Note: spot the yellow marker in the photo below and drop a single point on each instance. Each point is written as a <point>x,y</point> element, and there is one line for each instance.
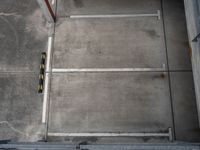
<point>41,76</point>
<point>42,66</point>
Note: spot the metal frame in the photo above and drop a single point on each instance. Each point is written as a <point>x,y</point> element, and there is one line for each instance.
<point>158,14</point>
<point>168,134</point>
<point>90,70</point>
<point>64,146</point>
<point>196,38</point>
<point>49,53</point>
<point>47,80</point>
<point>47,10</point>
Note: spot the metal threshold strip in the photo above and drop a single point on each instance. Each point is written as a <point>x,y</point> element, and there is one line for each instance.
<point>93,70</point>
<point>158,15</point>
<point>167,134</point>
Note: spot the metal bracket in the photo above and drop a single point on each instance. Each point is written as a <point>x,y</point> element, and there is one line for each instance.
<point>196,38</point>
<point>4,141</point>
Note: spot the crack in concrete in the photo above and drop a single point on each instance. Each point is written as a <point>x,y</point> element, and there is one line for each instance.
<point>13,128</point>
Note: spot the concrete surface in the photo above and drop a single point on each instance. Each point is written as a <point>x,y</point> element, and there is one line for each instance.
<point>106,7</point>
<point>23,36</point>
<point>20,107</point>
<point>110,102</point>
<point>127,42</point>
<point>185,109</point>
<point>176,35</point>
<point>105,102</point>
<point>107,43</point>
<point>115,43</point>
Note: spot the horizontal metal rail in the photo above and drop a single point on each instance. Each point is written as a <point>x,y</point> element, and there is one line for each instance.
<point>109,134</point>
<point>93,70</point>
<point>135,146</point>
<point>158,14</point>
<point>168,134</point>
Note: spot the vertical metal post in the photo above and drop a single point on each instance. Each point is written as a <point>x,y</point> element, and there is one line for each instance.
<point>47,80</point>
<point>47,10</point>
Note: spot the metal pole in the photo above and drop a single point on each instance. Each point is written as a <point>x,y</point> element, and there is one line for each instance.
<point>47,10</point>
<point>70,70</point>
<point>115,16</point>
<point>167,134</point>
<point>135,146</point>
<point>47,80</point>
<point>109,134</point>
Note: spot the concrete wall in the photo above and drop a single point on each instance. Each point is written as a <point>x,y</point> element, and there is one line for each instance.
<point>193,25</point>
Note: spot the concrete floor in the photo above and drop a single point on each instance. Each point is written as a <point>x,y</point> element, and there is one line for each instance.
<point>104,43</point>
<point>106,7</point>
<point>176,34</point>
<point>109,43</point>
<point>185,112</point>
<point>182,86</point>
<point>110,102</point>
<point>23,36</point>
<point>97,102</point>
<point>20,107</point>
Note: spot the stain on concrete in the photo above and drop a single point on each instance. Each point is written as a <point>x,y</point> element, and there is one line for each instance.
<point>78,3</point>
<point>152,33</point>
